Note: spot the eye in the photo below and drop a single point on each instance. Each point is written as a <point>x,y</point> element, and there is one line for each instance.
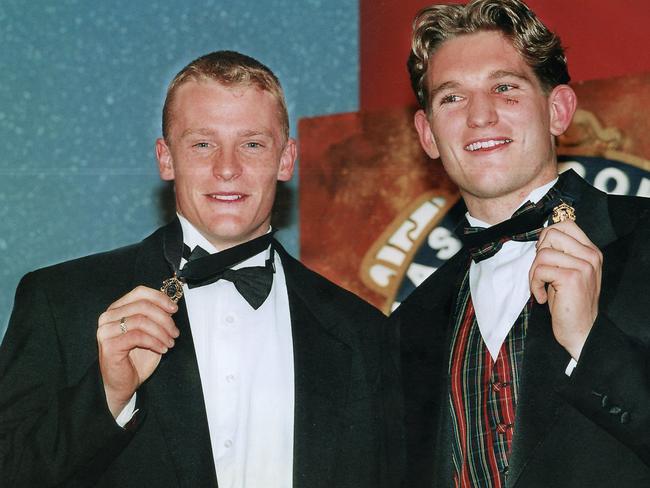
<point>202,145</point>
<point>504,87</point>
<point>252,145</point>
<point>450,99</point>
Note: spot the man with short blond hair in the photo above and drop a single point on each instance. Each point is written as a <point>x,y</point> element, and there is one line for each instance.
<point>205,354</point>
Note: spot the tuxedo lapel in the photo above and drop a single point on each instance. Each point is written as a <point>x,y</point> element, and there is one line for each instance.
<point>539,403</point>
<point>173,396</point>
<point>426,324</point>
<point>443,459</point>
<point>592,212</point>
<point>322,363</point>
<point>545,360</point>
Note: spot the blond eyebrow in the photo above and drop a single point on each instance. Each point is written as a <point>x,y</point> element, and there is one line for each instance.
<point>242,133</point>
<point>254,132</point>
<point>504,73</point>
<point>441,87</point>
<point>198,132</point>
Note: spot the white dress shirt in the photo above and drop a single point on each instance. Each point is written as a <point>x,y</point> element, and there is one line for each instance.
<point>499,285</point>
<point>245,360</point>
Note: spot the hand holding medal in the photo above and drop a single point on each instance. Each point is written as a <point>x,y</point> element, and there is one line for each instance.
<point>566,273</point>
<point>132,335</point>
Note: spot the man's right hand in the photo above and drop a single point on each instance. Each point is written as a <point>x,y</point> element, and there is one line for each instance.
<point>127,359</point>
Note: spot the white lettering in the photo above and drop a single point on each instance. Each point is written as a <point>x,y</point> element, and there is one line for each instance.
<point>644,188</point>
<point>401,236</point>
<point>443,241</point>
<point>622,182</point>
<point>381,274</point>
<point>417,273</point>
<point>422,216</point>
<point>391,255</point>
<point>439,201</point>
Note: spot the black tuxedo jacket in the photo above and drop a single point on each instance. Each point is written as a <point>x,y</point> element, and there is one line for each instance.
<point>588,430</point>
<point>56,430</point>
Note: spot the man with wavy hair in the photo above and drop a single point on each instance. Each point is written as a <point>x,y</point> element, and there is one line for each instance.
<point>525,357</point>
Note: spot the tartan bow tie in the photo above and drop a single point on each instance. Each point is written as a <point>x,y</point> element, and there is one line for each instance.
<point>526,224</point>
<point>253,283</point>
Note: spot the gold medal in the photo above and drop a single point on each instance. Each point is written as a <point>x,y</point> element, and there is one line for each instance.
<point>173,288</point>
<point>563,212</point>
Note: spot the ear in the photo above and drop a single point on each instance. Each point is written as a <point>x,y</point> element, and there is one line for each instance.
<point>165,161</point>
<point>562,105</point>
<point>427,141</point>
<point>287,161</point>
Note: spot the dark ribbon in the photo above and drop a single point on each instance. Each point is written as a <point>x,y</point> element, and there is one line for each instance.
<point>253,282</point>
<point>525,225</point>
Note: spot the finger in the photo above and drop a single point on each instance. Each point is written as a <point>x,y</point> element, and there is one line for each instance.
<point>560,277</point>
<point>141,307</point>
<point>149,294</point>
<point>556,239</point>
<point>135,325</point>
<point>549,256</point>
<point>540,277</point>
<point>119,346</point>
<point>538,288</point>
<point>570,228</point>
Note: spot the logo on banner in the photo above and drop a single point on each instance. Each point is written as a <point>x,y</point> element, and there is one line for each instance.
<point>421,238</point>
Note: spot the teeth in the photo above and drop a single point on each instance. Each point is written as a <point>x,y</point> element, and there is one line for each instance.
<point>475,146</point>
<point>228,198</point>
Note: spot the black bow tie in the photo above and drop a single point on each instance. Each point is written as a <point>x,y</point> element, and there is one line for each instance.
<point>525,225</point>
<point>253,283</point>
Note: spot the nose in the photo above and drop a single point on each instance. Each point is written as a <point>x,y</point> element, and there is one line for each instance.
<point>481,111</point>
<point>226,165</point>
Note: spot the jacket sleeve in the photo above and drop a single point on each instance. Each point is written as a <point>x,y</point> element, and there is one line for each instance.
<point>611,384</point>
<point>52,424</point>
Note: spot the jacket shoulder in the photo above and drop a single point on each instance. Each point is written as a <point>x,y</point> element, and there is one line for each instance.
<point>332,292</point>
<point>628,214</point>
<point>85,278</point>
<point>95,267</point>
<point>316,289</point>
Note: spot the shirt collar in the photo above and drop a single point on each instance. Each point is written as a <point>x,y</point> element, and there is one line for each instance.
<point>192,238</point>
<point>534,196</point>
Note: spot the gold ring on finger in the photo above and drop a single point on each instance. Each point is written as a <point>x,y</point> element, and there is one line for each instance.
<point>123,325</point>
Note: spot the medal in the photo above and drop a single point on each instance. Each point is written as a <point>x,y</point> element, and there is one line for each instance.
<point>563,212</point>
<point>173,288</point>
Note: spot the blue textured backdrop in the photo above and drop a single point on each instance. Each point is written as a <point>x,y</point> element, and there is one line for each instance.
<point>82,85</point>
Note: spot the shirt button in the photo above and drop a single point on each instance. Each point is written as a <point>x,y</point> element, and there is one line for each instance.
<point>230,378</point>
<point>502,428</point>
<point>227,444</point>
<point>230,319</point>
<point>498,386</point>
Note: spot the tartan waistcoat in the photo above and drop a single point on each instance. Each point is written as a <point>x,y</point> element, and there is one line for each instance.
<point>483,396</point>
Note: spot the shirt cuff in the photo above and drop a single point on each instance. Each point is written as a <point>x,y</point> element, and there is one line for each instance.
<point>127,412</point>
<point>570,367</point>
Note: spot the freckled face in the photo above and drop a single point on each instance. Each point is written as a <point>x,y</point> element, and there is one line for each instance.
<point>490,122</point>
<point>225,152</point>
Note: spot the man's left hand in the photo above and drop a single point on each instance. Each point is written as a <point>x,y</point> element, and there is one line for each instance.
<point>567,273</point>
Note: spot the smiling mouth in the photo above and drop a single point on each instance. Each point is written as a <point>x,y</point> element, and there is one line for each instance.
<point>488,144</point>
<point>227,197</point>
